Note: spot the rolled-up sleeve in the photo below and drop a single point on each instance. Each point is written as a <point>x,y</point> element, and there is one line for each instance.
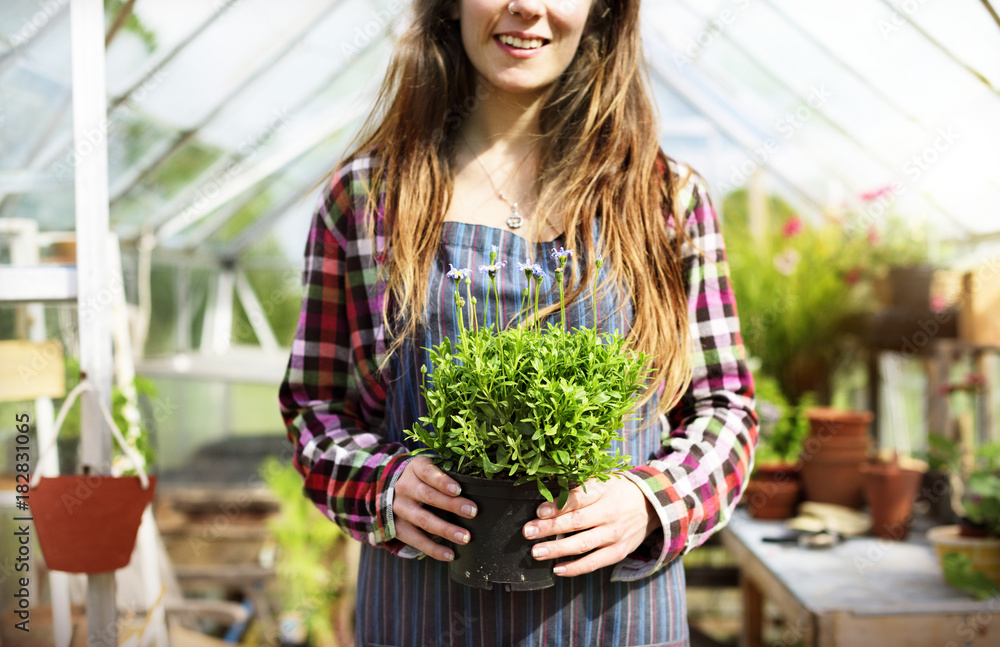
<point>332,398</point>
<point>696,478</point>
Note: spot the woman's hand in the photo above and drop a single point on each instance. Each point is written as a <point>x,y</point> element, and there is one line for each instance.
<point>424,484</point>
<point>614,517</point>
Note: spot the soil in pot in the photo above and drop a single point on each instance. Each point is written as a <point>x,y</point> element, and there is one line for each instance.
<point>497,552</point>
<point>890,490</point>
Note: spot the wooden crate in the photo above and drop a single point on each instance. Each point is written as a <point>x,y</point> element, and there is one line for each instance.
<point>979,313</point>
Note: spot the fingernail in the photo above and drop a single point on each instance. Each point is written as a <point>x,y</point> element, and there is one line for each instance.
<point>538,552</point>
<point>454,489</point>
<point>530,532</point>
<point>559,570</point>
<point>544,511</point>
<point>448,556</point>
<point>461,537</point>
<point>469,510</point>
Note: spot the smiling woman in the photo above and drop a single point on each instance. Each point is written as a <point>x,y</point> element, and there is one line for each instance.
<point>495,115</point>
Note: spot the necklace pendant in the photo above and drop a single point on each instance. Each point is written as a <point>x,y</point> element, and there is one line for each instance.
<point>514,220</point>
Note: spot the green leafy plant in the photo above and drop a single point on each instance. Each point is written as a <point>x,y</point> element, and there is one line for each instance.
<point>981,498</point>
<point>943,454</point>
<point>144,388</point>
<point>960,573</point>
<point>309,577</point>
<point>536,403</point>
<point>783,426</point>
<point>795,291</point>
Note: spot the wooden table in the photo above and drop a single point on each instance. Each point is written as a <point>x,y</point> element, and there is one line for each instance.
<point>863,592</point>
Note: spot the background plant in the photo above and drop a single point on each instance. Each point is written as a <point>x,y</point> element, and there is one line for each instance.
<point>796,296</point>
<point>783,426</point>
<point>309,578</point>
<point>536,402</point>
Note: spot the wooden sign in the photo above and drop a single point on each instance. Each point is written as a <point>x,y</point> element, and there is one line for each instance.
<point>30,370</point>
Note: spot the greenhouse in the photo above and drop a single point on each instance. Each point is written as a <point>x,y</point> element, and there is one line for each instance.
<point>162,165</point>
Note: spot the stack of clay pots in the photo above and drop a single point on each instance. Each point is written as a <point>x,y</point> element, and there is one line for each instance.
<point>832,456</point>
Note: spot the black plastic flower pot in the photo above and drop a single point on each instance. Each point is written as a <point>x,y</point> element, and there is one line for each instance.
<point>498,553</point>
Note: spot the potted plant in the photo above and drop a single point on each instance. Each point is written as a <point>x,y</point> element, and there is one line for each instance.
<point>774,487</point>
<point>88,523</point>
<point>970,551</point>
<point>519,415</point>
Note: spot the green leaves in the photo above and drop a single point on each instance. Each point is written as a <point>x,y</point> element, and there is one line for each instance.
<point>959,572</point>
<point>539,405</point>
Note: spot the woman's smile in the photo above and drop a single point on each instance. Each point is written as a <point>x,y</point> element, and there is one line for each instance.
<point>521,46</point>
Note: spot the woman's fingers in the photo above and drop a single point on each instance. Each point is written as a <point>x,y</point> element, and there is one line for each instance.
<point>421,491</point>
<point>410,534</point>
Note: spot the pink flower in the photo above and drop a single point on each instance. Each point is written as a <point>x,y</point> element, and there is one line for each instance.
<point>873,236</point>
<point>938,304</point>
<point>868,196</point>
<point>792,227</point>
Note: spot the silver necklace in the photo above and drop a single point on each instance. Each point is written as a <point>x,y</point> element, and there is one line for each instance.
<point>515,219</point>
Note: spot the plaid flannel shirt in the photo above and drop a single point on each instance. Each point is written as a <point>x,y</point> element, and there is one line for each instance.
<point>333,399</point>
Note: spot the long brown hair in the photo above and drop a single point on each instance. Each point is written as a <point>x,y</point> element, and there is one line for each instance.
<point>599,157</point>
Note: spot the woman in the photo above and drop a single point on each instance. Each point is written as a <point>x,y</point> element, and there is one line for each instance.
<point>499,119</point>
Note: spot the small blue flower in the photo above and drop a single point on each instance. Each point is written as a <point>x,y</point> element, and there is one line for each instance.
<point>492,269</point>
<point>458,274</point>
<point>537,270</point>
<point>493,248</point>
<point>561,253</point>
<point>599,262</point>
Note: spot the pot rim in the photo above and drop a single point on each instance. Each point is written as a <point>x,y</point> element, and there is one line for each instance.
<point>948,536</point>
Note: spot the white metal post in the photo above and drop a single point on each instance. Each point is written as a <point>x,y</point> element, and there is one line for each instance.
<point>94,295</point>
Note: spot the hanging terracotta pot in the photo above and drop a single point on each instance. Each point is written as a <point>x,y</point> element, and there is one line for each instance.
<point>890,490</point>
<point>88,524</point>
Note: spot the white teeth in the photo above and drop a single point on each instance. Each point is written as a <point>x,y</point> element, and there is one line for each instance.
<point>520,44</point>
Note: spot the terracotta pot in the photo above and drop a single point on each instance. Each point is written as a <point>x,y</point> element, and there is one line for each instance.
<point>890,490</point>
<point>770,499</point>
<point>837,446</point>
<point>773,491</point>
<point>826,422</point>
<point>983,552</point>
<point>833,479</point>
<point>88,524</point>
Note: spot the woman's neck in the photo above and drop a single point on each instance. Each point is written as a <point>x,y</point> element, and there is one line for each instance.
<point>504,122</point>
